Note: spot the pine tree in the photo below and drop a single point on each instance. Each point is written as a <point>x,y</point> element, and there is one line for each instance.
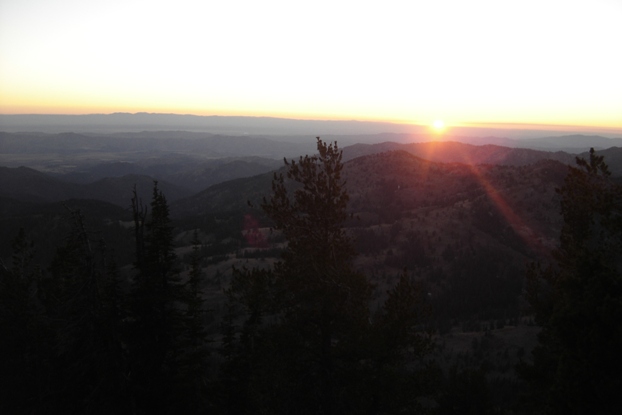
<point>82,302</point>
<point>193,382</point>
<point>156,324</point>
<point>306,343</point>
<point>24,345</point>
<point>578,299</point>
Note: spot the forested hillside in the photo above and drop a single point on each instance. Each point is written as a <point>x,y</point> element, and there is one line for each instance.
<point>388,283</point>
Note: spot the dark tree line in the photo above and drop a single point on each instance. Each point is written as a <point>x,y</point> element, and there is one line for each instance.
<point>78,339</point>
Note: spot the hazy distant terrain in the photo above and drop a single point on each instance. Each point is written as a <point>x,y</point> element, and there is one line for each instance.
<point>147,143</point>
<point>573,143</point>
<point>349,132</point>
<point>105,166</point>
<point>229,125</point>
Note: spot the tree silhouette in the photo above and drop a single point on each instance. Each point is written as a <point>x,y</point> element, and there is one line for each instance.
<point>578,300</point>
<point>156,320</point>
<point>307,342</point>
<point>27,334</point>
<point>193,362</point>
<point>83,304</point>
<point>166,333</point>
<point>64,352</point>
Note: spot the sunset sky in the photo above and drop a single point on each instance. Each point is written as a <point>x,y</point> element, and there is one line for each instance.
<point>417,61</point>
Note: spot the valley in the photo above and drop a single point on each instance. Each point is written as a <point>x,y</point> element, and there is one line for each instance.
<point>462,220</point>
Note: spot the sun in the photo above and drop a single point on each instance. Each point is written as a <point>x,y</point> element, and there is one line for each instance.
<point>438,126</point>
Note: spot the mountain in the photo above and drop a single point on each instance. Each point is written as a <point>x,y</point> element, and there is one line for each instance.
<point>613,158</point>
<point>468,230</point>
<point>200,176</point>
<point>139,144</point>
<point>190,160</point>
<point>184,171</point>
<point>26,184</point>
<point>454,152</point>
<point>230,125</point>
<point>386,184</point>
<point>271,126</point>
<point>118,190</point>
<point>572,143</point>
<point>229,196</point>
<point>400,184</point>
<point>469,158</point>
<point>48,225</point>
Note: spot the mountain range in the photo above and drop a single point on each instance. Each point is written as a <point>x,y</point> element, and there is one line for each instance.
<point>349,130</point>
<point>109,175</point>
<point>441,208</point>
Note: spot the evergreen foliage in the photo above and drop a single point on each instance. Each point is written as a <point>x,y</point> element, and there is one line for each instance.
<point>193,363</point>
<point>26,333</point>
<point>64,353</point>
<point>166,340</point>
<point>578,301</point>
<point>84,309</point>
<point>308,342</point>
<point>82,342</point>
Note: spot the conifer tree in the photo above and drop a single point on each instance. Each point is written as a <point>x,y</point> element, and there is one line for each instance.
<point>24,345</point>
<point>578,300</point>
<point>306,343</point>
<point>324,302</point>
<point>193,382</point>
<point>156,323</point>
<point>83,304</point>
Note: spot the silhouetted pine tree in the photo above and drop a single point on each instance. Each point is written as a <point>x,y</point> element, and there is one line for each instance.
<point>307,343</point>
<point>578,300</point>
<point>396,344</point>
<point>83,305</point>
<point>156,321</point>
<point>193,382</point>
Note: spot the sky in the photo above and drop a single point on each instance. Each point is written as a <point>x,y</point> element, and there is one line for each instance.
<point>419,61</point>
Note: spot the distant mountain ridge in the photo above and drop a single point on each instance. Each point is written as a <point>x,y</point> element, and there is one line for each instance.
<point>200,144</point>
<point>455,152</point>
<point>143,144</point>
<point>248,125</point>
<point>575,143</point>
<point>219,183</point>
<point>232,125</point>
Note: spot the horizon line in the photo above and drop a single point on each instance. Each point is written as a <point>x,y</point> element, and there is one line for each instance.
<point>512,125</point>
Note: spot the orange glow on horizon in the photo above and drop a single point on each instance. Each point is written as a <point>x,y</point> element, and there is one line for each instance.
<point>437,127</point>
<point>74,64</point>
<point>75,109</point>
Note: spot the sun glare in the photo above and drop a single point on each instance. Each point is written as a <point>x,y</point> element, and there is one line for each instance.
<point>438,126</point>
